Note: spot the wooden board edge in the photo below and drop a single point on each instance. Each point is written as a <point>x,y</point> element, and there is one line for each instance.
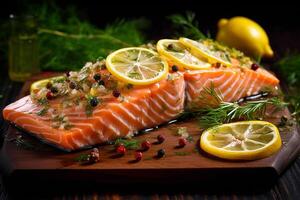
<point>290,153</point>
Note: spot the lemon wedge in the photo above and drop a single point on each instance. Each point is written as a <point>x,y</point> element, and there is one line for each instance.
<point>247,140</point>
<point>207,51</point>
<point>137,66</point>
<point>177,54</point>
<point>37,85</point>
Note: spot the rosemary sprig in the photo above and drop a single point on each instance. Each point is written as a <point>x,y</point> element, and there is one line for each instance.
<point>226,112</point>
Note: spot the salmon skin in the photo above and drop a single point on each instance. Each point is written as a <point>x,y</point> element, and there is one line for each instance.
<point>137,109</point>
<point>66,124</point>
<point>231,83</point>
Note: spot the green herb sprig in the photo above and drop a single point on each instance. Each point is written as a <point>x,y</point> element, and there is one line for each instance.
<point>82,158</point>
<point>128,143</point>
<point>188,26</point>
<point>226,112</point>
<point>289,69</point>
<point>67,41</point>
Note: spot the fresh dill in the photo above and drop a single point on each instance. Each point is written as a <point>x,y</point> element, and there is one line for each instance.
<point>288,68</point>
<point>128,143</point>
<point>67,41</point>
<point>187,24</point>
<point>83,159</point>
<point>42,101</point>
<point>42,112</point>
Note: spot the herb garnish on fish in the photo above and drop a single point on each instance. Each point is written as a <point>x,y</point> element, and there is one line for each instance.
<point>221,112</point>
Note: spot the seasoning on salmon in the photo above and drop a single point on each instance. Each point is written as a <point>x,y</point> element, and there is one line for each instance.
<point>73,119</point>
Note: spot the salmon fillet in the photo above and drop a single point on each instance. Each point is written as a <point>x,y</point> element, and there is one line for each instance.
<point>70,128</point>
<point>232,83</point>
<point>139,108</point>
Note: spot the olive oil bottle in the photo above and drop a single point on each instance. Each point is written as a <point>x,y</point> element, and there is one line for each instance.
<point>23,48</point>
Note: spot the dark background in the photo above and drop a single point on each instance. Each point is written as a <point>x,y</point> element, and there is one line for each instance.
<point>276,17</point>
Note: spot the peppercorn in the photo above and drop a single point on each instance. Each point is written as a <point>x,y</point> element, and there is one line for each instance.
<point>95,157</point>
<point>160,139</point>
<point>174,68</point>
<point>138,155</point>
<point>54,90</point>
<point>91,158</point>
<point>161,153</point>
<point>49,85</point>
<point>217,65</point>
<point>182,142</point>
<point>146,145</point>
<point>101,82</point>
<point>49,95</point>
<point>72,85</point>
<point>97,77</point>
<point>121,149</point>
<point>94,101</point>
<point>254,66</point>
<point>170,47</point>
<point>129,86</point>
<point>116,93</point>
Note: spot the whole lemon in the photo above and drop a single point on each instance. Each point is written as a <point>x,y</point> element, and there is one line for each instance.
<point>245,35</point>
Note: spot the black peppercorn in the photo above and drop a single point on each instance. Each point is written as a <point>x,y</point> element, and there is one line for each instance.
<point>101,82</point>
<point>174,68</point>
<point>54,90</point>
<point>170,47</point>
<point>72,85</point>
<point>116,93</point>
<point>94,101</point>
<point>97,77</point>
<point>161,153</point>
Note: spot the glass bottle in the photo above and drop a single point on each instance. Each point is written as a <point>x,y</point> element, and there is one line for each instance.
<point>23,48</point>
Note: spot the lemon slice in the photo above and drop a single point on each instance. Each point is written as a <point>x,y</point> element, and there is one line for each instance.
<point>177,54</point>
<point>247,140</point>
<point>206,50</point>
<point>138,66</point>
<point>37,85</point>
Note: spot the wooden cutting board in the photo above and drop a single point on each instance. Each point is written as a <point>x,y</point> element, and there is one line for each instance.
<point>42,162</point>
